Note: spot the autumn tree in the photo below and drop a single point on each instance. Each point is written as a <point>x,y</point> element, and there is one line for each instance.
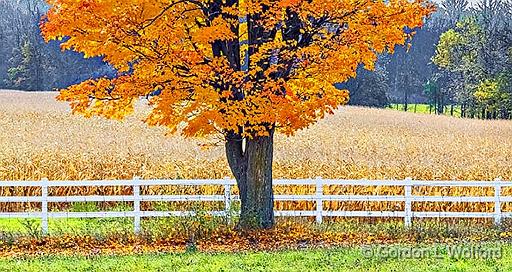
<point>242,69</point>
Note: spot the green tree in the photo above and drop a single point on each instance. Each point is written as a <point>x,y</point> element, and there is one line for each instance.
<point>474,58</point>
<point>369,88</point>
<point>26,72</point>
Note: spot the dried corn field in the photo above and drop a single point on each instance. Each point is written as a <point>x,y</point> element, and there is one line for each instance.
<point>40,138</point>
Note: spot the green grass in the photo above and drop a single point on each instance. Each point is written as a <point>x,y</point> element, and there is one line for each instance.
<point>425,108</point>
<point>67,226</point>
<point>344,259</point>
<point>102,227</point>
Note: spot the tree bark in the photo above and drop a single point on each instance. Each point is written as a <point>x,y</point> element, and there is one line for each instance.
<point>251,164</point>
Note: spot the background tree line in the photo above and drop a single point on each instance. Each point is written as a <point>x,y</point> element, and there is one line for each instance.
<point>461,59</point>
<point>27,62</point>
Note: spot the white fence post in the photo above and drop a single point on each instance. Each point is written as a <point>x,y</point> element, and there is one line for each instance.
<point>136,205</point>
<point>408,202</point>
<point>227,198</point>
<point>319,200</point>
<point>497,201</point>
<point>44,205</point>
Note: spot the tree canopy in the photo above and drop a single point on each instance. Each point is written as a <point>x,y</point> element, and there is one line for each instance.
<point>188,51</point>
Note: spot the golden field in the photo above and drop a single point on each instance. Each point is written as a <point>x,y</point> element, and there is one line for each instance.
<point>40,138</point>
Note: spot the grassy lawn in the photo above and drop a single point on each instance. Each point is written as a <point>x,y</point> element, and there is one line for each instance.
<point>425,108</point>
<point>343,259</point>
<point>67,226</point>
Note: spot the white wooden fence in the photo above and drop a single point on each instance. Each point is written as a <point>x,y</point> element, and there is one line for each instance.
<point>319,197</point>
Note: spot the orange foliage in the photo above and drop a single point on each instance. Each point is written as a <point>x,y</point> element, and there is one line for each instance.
<point>189,51</point>
<point>286,235</point>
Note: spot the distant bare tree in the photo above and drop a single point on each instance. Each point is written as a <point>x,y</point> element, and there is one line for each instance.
<point>27,62</point>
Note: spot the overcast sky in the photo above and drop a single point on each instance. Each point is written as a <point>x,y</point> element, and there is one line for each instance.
<point>470,1</point>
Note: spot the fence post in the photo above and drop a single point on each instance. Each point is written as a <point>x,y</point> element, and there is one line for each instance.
<point>44,205</point>
<point>319,200</point>
<point>408,202</point>
<point>497,201</point>
<point>227,198</point>
<point>136,205</point>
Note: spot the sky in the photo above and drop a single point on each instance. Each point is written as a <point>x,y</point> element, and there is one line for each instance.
<point>470,1</point>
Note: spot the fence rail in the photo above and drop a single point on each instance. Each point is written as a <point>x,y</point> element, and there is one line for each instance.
<point>228,198</point>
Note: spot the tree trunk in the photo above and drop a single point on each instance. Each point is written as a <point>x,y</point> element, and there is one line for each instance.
<point>406,100</point>
<point>251,164</point>
<point>440,106</point>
